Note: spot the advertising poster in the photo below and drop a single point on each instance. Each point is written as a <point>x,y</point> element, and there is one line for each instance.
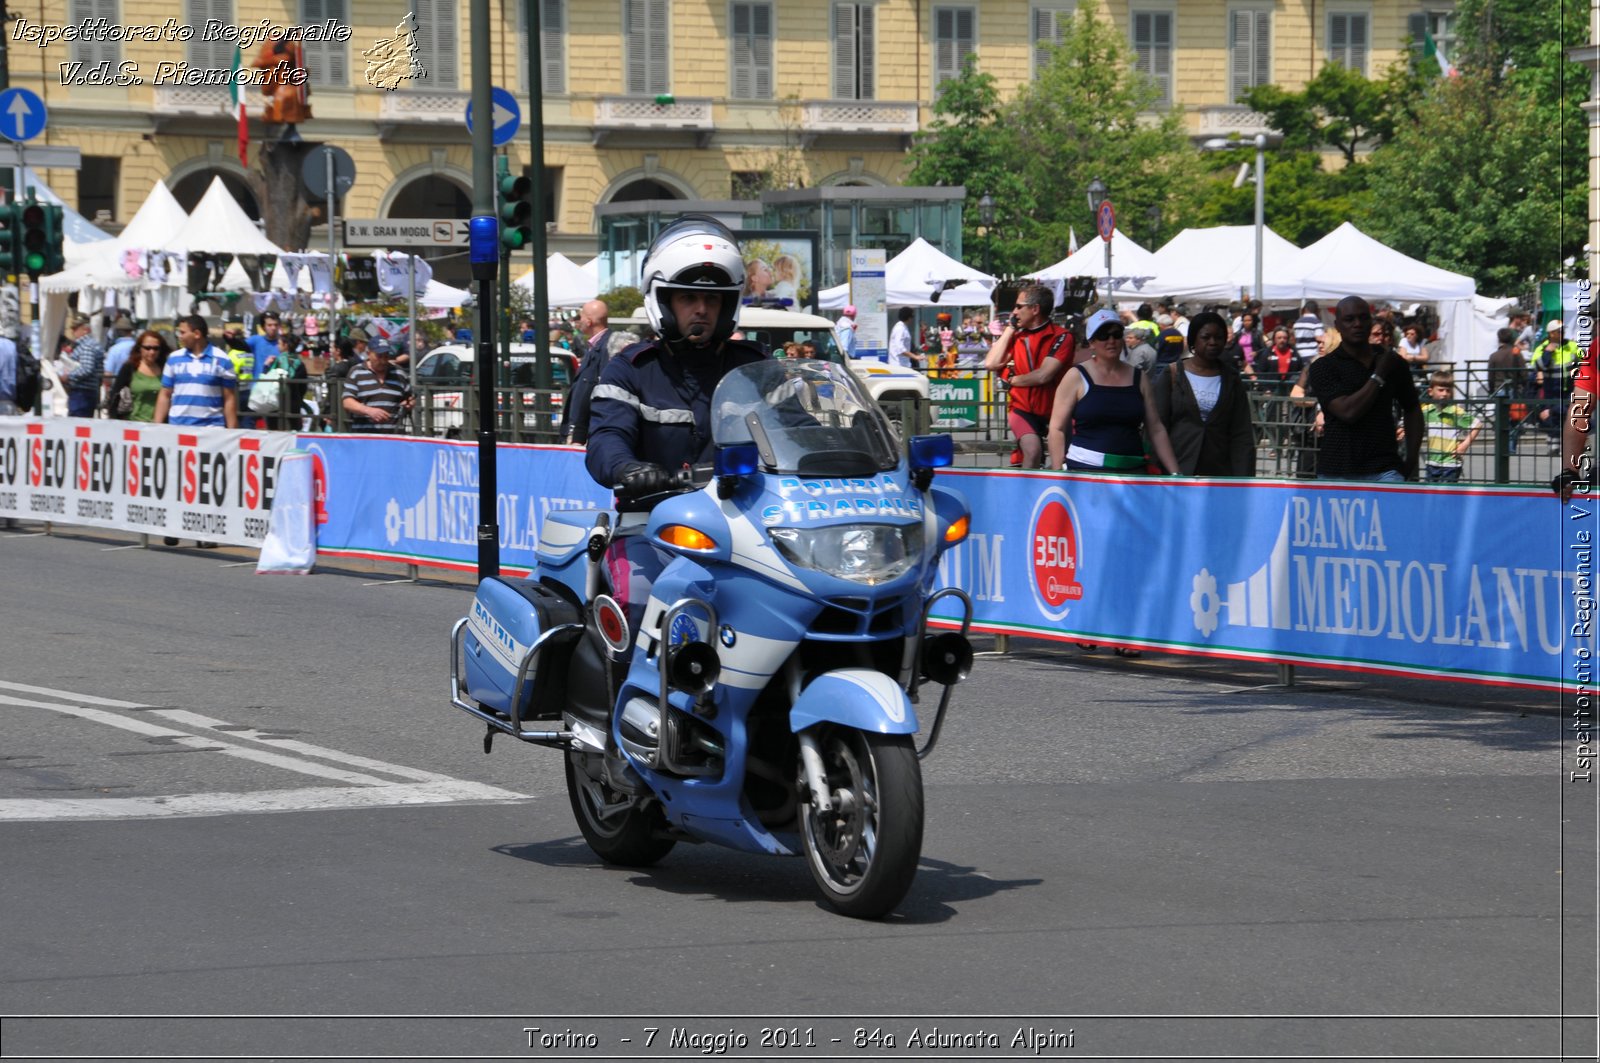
<point>869,295</point>
<point>208,484</point>
<point>1407,579</point>
<point>779,269</point>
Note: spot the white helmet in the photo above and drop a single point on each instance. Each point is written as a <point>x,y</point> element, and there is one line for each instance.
<point>695,253</point>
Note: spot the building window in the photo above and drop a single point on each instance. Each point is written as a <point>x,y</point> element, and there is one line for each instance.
<point>747,184</point>
<point>438,46</point>
<point>1249,50</point>
<point>328,62</point>
<point>1050,24</point>
<point>92,53</point>
<point>552,44</point>
<point>644,32</point>
<point>750,51</point>
<point>97,186</point>
<point>1152,48</point>
<point>204,54</point>
<point>855,46</point>
<point>1439,24</point>
<point>955,36</point>
<point>1347,40</point>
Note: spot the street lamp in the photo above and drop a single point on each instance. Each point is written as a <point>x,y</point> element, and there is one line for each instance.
<point>1097,195</point>
<point>1219,144</point>
<point>986,216</point>
<point>1153,216</point>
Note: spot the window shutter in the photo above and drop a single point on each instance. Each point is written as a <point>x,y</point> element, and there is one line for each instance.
<point>1357,36</point>
<point>1417,27</point>
<point>867,17</point>
<point>327,61</point>
<point>844,51</point>
<point>93,52</point>
<point>1152,45</point>
<point>633,17</point>
<point>1048,25</point>
<point>1251,51</point>
<point>216,55</point>
<point>553,45</point>
<point>953,41</point>
<point>436,43</point>
<point>742,62</point>
<point>761,49</point>
<point>660,75</point>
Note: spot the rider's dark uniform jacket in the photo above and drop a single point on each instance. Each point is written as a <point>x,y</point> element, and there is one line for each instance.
<point>655,405</point>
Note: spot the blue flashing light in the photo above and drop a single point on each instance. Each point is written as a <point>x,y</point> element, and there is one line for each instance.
<point>483,240</point>
<point>932,452</point>
<point>739,460</point>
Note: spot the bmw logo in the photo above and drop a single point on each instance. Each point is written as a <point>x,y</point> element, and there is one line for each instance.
<point>726,636</point>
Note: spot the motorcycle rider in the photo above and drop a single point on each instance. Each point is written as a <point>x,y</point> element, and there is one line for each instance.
<point>650,415</point>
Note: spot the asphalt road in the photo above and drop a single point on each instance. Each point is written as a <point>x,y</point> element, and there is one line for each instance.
<point>226,795</point>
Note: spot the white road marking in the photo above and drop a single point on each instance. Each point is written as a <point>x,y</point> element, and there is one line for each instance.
<point>313,799</point>
<point>360,790</point>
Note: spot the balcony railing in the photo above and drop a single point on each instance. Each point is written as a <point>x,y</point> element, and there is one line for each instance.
<point>1228,120</point>
<point>859,116</point>
<point>202,101</point>
<point>410,107</point>
<point>618,114</point>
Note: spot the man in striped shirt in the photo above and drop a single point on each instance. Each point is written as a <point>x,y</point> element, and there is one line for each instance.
<point>376,394</point>
<point>198,386</point>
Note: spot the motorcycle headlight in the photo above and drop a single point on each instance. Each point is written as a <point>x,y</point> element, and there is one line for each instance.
<point>865,553</point>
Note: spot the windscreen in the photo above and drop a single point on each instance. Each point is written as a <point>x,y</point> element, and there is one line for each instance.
<point>805,417</point>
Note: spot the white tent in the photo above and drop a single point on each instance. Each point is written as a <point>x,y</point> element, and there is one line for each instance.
<point>219,225</point>
<point>567,283</point>
<point>912,278</point>
<point>1219,263</point>
<point>437,296</point>
<point>1133,268</point>
<point>1349,262</point>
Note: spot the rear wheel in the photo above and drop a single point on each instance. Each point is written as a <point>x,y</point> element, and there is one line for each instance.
<point>620,828</point>
<point>863,851</point>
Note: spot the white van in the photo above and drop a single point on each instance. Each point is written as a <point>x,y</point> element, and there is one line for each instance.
<point>451,364</point>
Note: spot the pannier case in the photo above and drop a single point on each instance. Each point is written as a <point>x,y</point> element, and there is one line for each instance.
<point>508,616</point>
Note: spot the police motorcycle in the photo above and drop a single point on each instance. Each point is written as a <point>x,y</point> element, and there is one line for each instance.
<point>767,701</point>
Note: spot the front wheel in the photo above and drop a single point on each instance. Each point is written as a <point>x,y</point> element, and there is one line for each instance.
<point>618,827</point>
<point>863,852</point>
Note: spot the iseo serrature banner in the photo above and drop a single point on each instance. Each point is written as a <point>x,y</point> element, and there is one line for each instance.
<point>213,484</point>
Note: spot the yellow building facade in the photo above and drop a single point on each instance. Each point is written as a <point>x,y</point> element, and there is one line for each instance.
<point>644,99</point>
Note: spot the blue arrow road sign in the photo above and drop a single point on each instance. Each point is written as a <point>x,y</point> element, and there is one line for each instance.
<point>22,114</point>
<point>507,115</point>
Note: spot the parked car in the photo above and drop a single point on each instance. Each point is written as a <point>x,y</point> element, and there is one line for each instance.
<point>451,366</point>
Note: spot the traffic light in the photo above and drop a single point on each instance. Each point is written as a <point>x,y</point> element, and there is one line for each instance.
<point>55,233</point>
<point>10,244</point>
<point>35,249</point>
<point>516,208</point>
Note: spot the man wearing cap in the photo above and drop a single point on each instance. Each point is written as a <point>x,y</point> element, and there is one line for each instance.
<point>1169,341</point>
<point>376,395</point>
<point>83,384</point>
<point>1031,354</point>
<point>1576,465</point>
<point>117,353</point>
<point>844,332</point>
<point>1550,364</point>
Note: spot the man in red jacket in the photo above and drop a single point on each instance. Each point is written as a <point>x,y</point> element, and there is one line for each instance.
<point>1576,466</point>
<point>1032,353</point>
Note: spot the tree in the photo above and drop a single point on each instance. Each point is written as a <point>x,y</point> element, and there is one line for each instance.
<point>968,144</point>
<point>1090,114</point>
<point>1446,191</point>
<point>1338,109</point>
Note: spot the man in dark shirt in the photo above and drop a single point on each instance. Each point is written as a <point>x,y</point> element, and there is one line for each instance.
<point>1357,386</point>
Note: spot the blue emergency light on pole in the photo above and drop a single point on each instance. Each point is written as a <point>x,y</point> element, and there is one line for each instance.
<point>483,245</point>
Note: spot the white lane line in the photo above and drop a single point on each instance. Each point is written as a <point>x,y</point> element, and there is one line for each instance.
<point>76,699</point>
<point>184,738</point>
<point>194,719</point>
<point>314,799</point>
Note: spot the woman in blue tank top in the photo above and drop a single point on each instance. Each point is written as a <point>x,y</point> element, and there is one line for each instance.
<point>1107,403</point>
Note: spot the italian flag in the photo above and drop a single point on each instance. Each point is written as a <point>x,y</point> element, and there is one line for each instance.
<point>236,106</point>
<point>1430,50</point>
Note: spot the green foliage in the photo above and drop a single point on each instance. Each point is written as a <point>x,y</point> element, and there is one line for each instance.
<point>621,302</point>
<point>1467,186</point>
<point>1338,109</point>
<point>1086,116</point>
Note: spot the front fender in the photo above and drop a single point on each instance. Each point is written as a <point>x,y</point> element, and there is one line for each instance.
<point>858,698</point>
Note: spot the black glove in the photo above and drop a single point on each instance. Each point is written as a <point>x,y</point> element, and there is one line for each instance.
<point>1562,483</point>
<point>641,478</point>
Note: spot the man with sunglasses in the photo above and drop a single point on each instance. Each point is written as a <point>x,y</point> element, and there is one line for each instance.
<point>1031,353</point>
